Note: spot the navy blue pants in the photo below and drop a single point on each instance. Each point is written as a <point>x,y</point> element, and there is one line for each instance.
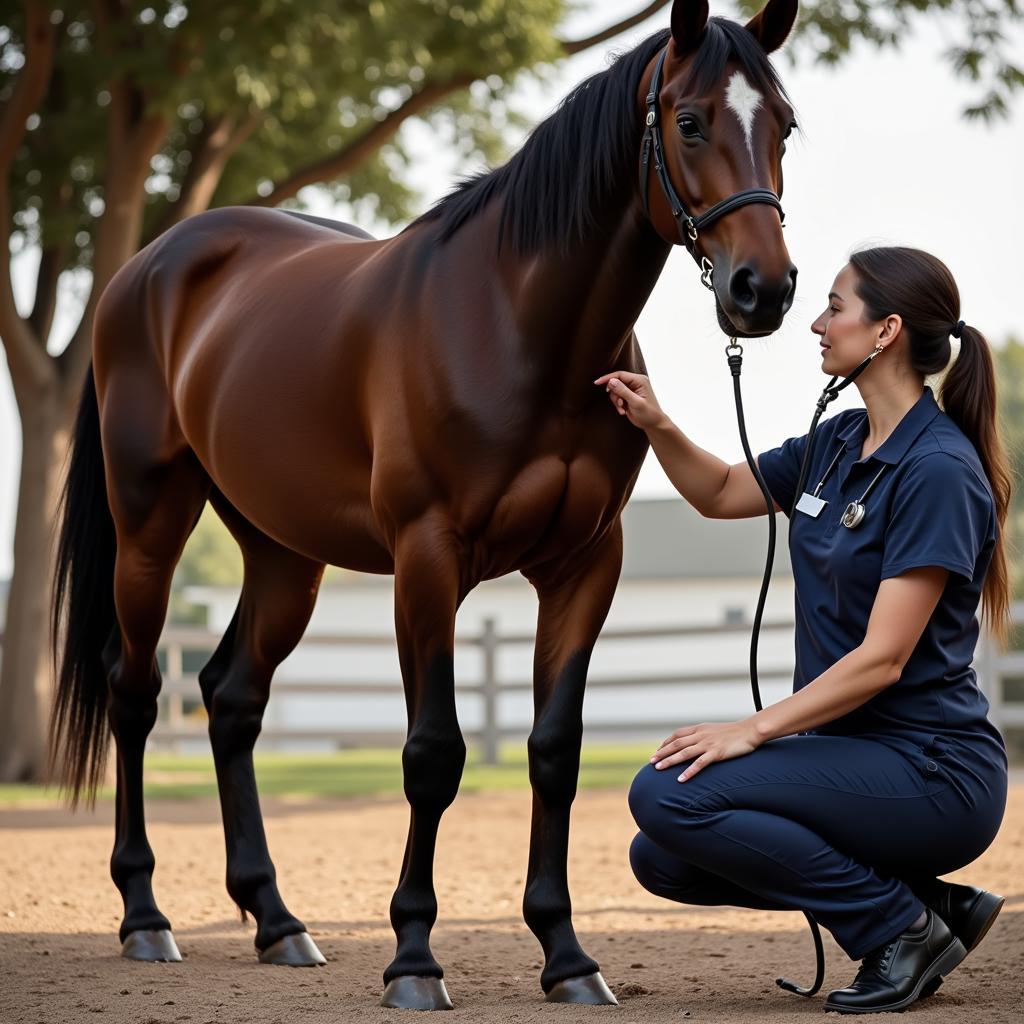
<point>838,826</point>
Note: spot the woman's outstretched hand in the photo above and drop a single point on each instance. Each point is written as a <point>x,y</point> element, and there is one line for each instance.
<point>708,742</point>
<point>633,397</point>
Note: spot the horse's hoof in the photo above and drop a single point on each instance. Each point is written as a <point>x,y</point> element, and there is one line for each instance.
<point>590,989</point>
<point>410,992</point>
<point>158,946</point>
<point>293,951</point>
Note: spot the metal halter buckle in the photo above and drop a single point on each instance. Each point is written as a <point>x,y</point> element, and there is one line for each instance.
<point>691,229</point>
<point>707,270</point>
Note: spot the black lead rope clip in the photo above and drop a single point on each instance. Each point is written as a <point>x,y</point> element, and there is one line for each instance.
<point>734,354</point>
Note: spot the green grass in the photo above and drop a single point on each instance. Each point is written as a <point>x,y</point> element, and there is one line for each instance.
<point>348,773</point>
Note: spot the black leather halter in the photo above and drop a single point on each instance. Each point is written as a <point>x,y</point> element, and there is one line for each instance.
<point>689,225</point>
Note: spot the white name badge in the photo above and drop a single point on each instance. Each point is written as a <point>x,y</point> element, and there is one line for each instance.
<point>810,505</point>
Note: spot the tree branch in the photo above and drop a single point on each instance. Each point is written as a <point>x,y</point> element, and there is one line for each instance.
<point>215,145</point>
<point>51,263</point>
<point>579,45</point>
<point>40,44</point>
<point>29,364</point>
<point>134,137</point>
<point>346,160</point>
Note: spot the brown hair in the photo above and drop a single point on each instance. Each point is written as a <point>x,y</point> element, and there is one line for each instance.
<point>919,288</point>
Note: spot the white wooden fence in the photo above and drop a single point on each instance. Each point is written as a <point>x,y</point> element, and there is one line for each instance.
<point>1000,674</point>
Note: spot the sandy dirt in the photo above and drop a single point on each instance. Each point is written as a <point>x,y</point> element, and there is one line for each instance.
<point>337,864</point>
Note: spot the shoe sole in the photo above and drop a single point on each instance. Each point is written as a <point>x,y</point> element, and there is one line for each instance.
<point>941,965</point>
<point>980,918</point>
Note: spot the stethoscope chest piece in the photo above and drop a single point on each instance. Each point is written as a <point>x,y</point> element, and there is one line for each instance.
<point>854,514</point>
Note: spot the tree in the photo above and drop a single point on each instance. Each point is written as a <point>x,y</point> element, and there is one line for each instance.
<point>118,118</point>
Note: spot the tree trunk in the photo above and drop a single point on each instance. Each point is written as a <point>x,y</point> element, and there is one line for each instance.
<point>26,682</point>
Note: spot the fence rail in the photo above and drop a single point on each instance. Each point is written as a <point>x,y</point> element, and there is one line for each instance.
<point>994,669</point>
<point>1000,675</point>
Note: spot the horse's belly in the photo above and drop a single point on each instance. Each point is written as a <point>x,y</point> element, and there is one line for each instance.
<point>297,482</point>
<point>328,525</point>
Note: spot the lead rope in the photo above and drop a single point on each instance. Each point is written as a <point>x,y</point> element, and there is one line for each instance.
<point>734,353</point>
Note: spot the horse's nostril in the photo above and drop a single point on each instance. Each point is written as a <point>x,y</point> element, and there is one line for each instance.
<point>791,291</point>
<point>743,289</point>
<point>753,295</point>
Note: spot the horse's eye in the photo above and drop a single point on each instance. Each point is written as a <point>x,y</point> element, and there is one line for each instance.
<point>789,130</point>
<point>688,127</point>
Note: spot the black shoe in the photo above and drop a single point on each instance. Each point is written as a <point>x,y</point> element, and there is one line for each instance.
<point>892,976</point>
<point>968,911</point>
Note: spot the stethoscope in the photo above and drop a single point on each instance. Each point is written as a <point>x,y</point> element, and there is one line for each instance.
<point>853,516</point>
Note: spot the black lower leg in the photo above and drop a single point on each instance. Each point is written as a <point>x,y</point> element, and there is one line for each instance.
<point>432,761</point>
<point>554,754</point>
<point>236,713</point>
<point>132,712</point>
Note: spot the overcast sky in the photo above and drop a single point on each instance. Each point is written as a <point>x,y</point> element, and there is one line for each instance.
<point>886,158</point>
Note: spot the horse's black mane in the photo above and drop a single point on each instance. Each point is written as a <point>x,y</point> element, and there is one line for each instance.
<point>588,149</point>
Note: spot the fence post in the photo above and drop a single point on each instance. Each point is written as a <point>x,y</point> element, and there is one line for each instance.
<point>489,647</point>
<point>175,702</point>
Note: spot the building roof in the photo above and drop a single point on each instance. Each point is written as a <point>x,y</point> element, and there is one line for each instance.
<point>667,538</point>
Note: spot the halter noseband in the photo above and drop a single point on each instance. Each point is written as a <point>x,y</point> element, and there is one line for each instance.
<point>689,225</point>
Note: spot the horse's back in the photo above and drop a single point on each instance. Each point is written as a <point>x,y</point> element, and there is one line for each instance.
<point>335,225</point>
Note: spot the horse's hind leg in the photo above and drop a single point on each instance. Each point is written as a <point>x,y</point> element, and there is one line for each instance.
<point>426,600</point>
<point>278,594</point>
<point>573,607</point>
<point>154,506</point>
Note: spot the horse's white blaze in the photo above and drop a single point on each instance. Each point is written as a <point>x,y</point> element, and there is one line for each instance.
<point>743,100</point>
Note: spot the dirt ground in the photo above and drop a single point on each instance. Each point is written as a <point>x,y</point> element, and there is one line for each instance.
<point>337,864</point>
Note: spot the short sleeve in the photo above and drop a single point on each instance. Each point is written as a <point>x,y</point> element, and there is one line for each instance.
<point>780,468</point>
<point>941,515</point>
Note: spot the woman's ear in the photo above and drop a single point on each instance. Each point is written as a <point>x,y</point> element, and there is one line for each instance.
<point>891,327</point>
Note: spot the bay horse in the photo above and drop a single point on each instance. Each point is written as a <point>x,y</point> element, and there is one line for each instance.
<point>420,405</point>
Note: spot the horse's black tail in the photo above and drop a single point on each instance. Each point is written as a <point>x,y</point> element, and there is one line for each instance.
<point>83,604</point>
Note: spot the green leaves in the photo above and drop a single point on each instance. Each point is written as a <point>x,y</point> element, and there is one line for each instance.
<point>299,80</point>
<point>986,31</point>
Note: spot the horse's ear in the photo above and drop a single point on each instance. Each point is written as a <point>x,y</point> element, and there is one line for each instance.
<point>689,19</point>
<point>773,23</point>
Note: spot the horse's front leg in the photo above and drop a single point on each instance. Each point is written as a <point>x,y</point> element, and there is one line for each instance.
<point>574,602</point>
<point>427,589</point>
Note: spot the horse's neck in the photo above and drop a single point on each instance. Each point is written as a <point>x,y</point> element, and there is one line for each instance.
<point>578,308</point>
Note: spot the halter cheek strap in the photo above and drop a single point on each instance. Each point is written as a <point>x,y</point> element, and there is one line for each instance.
<point>689,225</point>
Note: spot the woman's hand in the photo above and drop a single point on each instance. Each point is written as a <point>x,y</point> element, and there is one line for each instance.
<point>712,741</point>
<point>633,396</point>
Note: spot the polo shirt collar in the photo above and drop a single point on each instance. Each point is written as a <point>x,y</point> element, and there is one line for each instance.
<point>898,443</point>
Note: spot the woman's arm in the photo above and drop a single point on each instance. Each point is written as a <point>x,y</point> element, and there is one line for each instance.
<point>900,612</point>
<point>713,487</point>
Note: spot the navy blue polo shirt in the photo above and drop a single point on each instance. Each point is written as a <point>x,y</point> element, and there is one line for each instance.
<point>932,506</point>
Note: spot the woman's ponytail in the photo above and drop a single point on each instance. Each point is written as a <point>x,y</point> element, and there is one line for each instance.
<point>970,399</point>
<point>921,289</point>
